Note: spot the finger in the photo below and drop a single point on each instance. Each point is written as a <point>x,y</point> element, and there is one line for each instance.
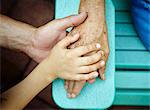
<point>66,84</point>
<point>91,75</point>
<point>91,81</point>
<point>68,40</point>
<point>88,60</point>
<point>102,73</point>
<point>77,88</point>
<point>70,87</point>
<point>70,21</point>
<point>104,57</point>
<point>93,67</point>
<point>82,50</point>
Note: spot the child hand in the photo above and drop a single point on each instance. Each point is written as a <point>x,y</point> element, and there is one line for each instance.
<point>69,63</point>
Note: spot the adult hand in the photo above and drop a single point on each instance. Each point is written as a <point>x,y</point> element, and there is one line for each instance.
<point>74,87</point>
<point>45,37</point>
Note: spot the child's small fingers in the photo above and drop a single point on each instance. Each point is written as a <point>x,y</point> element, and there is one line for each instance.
<point>91,75</point>
<point>88,60</point>
<point>68,40</point>
<point>82,50</point>
<point>93,67</point>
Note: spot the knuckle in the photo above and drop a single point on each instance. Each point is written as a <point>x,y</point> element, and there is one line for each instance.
<point>94,67</point>
<point>89,47</point>
<point>98,57</point>
<point>83,77</point>
<point>78,78</point>
<point>98,65</point>
<point>90,60</point>
<point>71,21</point>
<point>87,69</point>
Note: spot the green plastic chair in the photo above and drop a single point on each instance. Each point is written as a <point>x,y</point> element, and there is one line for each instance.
<point>100,94</point>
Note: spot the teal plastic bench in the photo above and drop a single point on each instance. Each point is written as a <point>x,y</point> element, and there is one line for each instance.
<point>100,94</point>
<point>132,60</point>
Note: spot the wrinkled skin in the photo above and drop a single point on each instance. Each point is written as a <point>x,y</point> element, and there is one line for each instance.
<point>93,30</point>
<point>74,87</point>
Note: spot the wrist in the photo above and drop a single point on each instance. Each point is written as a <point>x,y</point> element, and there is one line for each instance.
<point>27,45</point>
<point>48,69</point>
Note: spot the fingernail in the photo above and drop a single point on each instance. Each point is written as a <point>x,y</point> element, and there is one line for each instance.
<point>95,75</point>
<point>99,52</point>
<point>98,45</point>
<point>69,95</point>
<point>102,63</point>
<point>73,95</point>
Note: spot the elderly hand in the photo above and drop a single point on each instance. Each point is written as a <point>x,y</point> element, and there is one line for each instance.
<point>74,87</point>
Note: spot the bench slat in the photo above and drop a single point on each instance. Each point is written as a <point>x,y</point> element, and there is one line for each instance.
<point>123,17</point>
<point>125,29</point>
<point>132,59</point>
<point>132,97</point>
<point>123,5</point>
<point>128,43</point>
<point>132,79</point>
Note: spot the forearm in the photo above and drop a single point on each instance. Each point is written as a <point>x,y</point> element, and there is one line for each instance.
<point>91,30</point>
<point>95,8</point>
<point>15,34</point>
<point>20,95</point>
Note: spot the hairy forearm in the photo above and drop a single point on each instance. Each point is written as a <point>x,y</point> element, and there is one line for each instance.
<point>20,95</point>
<point>15,34</point>
<point>94,8</point>
<point>91,30</point>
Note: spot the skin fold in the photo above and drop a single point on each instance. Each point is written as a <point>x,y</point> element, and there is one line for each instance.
<point>93,30</point>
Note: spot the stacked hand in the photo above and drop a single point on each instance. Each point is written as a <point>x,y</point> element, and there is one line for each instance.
<point>70,64</point>
<point>74,87</point>
<point>45,37</point>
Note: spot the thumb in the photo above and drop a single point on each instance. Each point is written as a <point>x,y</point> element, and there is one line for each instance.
<point>70,21</point>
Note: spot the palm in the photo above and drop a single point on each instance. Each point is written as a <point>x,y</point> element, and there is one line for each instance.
<point>45,37</point>
<point>44,42</point>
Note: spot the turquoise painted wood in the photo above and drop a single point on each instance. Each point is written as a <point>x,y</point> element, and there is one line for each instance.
<point>132,61</point>
<point>132,97</point>
<point>100,94</point>
<point>129,43</point>
<point>122,5</point>
<point>125,29</point>
<point>123,17</point>
<point>132,80</point>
